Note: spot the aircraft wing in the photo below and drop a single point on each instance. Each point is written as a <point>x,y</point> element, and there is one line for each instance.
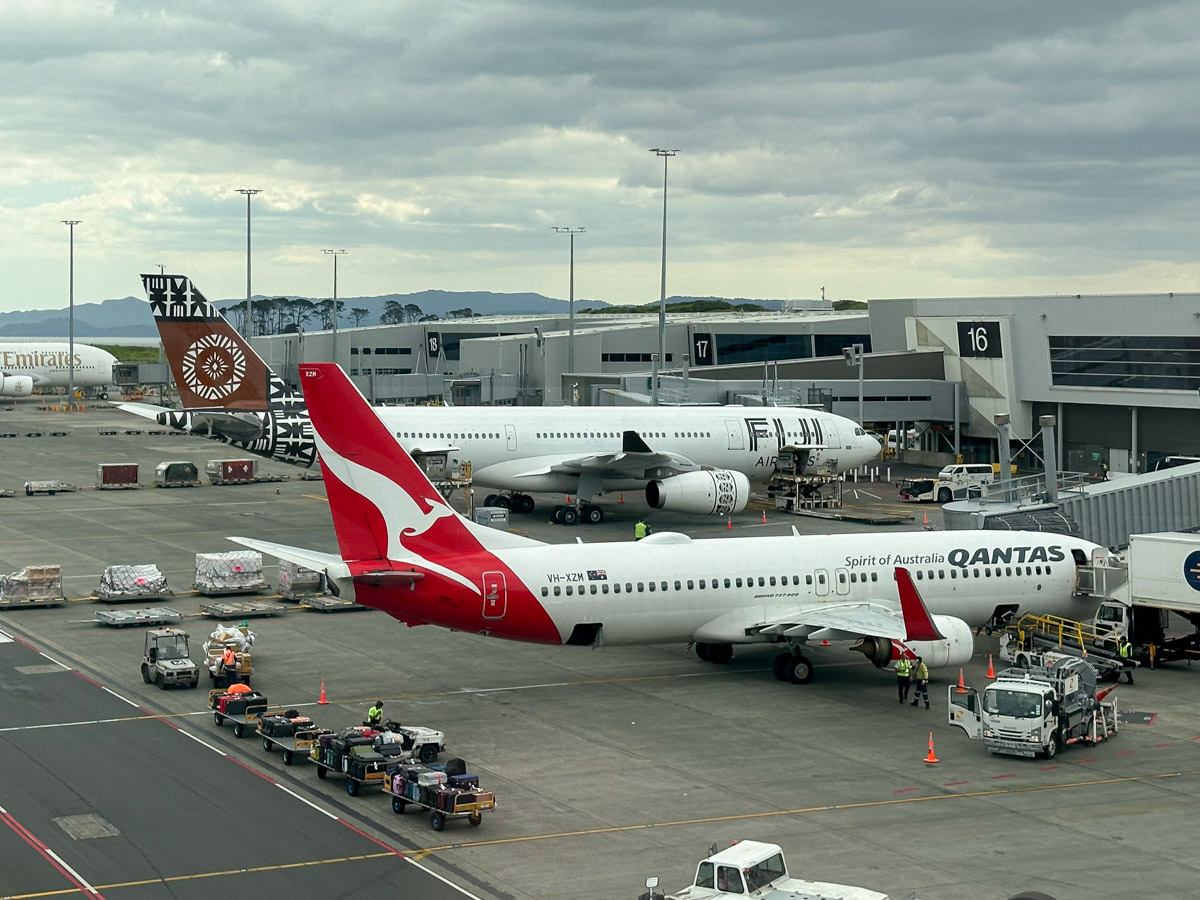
<point>145,410</point>
<point>634,460</point>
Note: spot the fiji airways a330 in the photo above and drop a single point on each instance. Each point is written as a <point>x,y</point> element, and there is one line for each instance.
<point>404,550</point>
<point>698,460</point>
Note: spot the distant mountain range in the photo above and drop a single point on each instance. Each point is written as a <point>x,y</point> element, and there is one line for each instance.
<point>130,316</point>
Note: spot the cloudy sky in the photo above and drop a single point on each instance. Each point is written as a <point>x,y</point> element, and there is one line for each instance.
<point>876,149</point>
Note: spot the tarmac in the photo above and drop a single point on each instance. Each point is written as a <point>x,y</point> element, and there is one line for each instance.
<point>609,766</point>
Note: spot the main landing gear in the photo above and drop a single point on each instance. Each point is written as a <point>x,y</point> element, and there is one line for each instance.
<point>587,513</point>
<point>794,667</point>
<point>521,503</point>
<point>715,653</point>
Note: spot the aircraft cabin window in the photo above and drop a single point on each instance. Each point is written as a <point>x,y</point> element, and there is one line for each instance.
<point>930,574</point>
<point>593,590</point>
<point>976,573</point>
<point>726,582</point>
<point>987,572</point>
<point>545,592</point>
<point>691,585</point>
<point>570,590</point>
<point>629,587</point>
<point>701,584</point>
<point>771,581</point>
<point>679,587</point>
<point>1047,570</point>
<point>796,579</point>
<point>1039,569</point>
<point>954,573</point>
<point>854,578</point>
<point>942,574</point>
<point>762,582</point>
<point>1008,570</point>
<point>617,588</point>
<point>821,579</point>
<point>874,576</point>
<point>918,574</point>
<point>663,585</point>
<point>604,588</point>
<point>557,591</point>
<point>652,588</point>
<point>739,582</point>
<point>841,577</point>
<point>641,587</point>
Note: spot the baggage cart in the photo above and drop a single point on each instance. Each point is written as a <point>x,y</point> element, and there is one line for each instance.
<point>443,796</point>
<point>240,709</point>
<point>151,615</point>
<point>47,487</point>
<point>289,731</point>
<point>358,754</point>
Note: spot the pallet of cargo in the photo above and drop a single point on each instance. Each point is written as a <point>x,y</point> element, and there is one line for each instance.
<point>123,618</point>
<point>245,609</point>
<point>4,493</point>
<point>271,477</point>
<point>133,597</point>
<point>326,604</point>
<point>48,487</point>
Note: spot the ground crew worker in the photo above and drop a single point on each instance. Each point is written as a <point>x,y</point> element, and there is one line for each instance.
<point>921,682</point>
<point>640,530</point>
<point>903,677</point>
<point>375,714</point>
<point>229,665</point>
<point>1126,650</point>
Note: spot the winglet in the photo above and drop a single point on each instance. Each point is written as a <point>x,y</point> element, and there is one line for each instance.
<point>631,442</point>
<point>918,624</point>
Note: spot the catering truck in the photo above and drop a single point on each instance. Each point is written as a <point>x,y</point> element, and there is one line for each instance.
<point>1036,711</point>
<point>1158,608</point>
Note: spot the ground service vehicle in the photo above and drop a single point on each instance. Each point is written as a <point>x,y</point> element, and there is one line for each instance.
<point>1034,640</point>
<point>289,730</point>
<point>423,743</point>
<point>165,659</point>
<point>1164,578</point>
<point>1036,711</point>
<point>452,794</point>
<point>756,869</point>
<point>242,708</point>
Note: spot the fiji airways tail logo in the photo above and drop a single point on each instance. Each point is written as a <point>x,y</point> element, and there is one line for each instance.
<point>214,367</point>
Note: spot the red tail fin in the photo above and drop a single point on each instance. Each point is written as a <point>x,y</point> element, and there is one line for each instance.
<point>212,365</point>
<point>918,624</point>
<point>383,505</point>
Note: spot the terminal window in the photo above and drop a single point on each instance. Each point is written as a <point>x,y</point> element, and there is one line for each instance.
<point>1137,362</point>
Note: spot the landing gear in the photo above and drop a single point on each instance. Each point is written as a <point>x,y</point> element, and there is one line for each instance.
<point>520,503</point>
<point>569,515</point>
<point>714,653</point>
<point>794,667</point>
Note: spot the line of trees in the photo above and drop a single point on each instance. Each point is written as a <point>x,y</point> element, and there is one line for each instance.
<point>275,315</point>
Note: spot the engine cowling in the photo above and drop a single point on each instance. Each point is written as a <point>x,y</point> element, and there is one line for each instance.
<point>16,385</point>
<point>955,650</point>
<point>711,492</point>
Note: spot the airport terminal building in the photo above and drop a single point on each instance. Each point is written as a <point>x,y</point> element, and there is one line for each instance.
<point>1121,373</point>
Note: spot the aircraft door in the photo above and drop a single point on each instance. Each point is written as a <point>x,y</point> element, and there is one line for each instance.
<point>733,428</point>
<point>495,595</point>
<point>510,432</point>
<point>964,711</point>
<point>821,582</point>
<point>841,580</point>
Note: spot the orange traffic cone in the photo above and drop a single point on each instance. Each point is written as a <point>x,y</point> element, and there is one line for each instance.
<point>622,500</point>
<point>729,523</point>
<point>568,500</point>
<point>764,517</point>
<point>322,700</point>
<point>991,672</point>
<point>930,759</point>
<point>925,517</point>
<point>825,643</point>
<point>962,688</point>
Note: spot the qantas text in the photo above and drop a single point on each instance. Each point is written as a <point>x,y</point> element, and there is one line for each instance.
<point>984,556</point>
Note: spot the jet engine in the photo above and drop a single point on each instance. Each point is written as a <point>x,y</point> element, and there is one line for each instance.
<point>955,650</point>
<point>710,492</point>
<point>16,385</point>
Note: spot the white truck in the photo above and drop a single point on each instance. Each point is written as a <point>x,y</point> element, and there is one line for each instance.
<point>757,870</point>
<point>1163,578</point>
<point>1036,711</point>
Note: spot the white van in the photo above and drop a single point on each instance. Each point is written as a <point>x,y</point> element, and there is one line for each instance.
<point>964,474</point>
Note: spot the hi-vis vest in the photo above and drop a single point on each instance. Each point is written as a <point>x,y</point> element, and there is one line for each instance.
<point>903,668</point>
<point>639,530</point>
<point>229,658</point>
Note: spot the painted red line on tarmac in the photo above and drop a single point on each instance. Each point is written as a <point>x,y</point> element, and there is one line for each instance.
<point>1048,768</point>
<point>45,853</point>
<point>906,790</point>
<point>1168,744</point>
<point>1196,738</point>
<point>1084,762</point>
<point>1009,775</point>
<point>374,840</point>
<point>1125,752</point>
<point>955,783</point>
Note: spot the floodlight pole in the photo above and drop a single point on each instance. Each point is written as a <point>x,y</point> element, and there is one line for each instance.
<point>571,333</point>
<point>662,291</point>
<point>335,254</point>
<point>71,223</point>
<point>249,192</point>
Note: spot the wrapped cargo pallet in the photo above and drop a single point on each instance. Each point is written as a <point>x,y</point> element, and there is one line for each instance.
<point>297,581</point>
<point>32,583</point>
<point>176,474</point>
<point>132,582</point>
<point>237,571</point>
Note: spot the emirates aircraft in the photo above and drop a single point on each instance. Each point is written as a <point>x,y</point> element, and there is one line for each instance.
<point>688,459</point>
<point>25,365</point>
<point>405,551</point>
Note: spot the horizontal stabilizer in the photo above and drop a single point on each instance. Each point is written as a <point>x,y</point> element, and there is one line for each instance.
<point>310,559</point>
<point>145,410</point>
<point>386,578</point>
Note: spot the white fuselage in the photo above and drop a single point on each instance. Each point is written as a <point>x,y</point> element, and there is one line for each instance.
<point>49,364</point>
<point>515,448</point>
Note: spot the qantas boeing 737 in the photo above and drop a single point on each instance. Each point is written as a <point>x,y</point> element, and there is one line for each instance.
<point>688,459</point>
<point>405,551</point>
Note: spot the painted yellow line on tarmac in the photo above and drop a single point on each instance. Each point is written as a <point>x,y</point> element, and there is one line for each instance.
<point>808,810</point>
<point>315,497</point>
<point>171,879</point>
